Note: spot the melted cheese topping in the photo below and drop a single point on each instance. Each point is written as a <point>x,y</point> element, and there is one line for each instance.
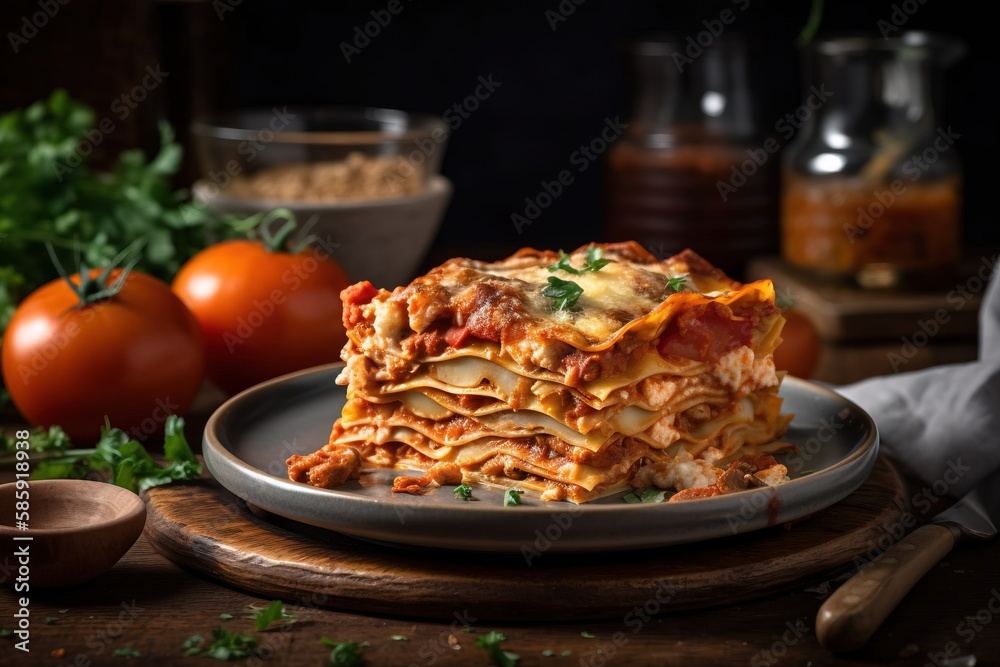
<point>619,291</point>
<point>504,302</point>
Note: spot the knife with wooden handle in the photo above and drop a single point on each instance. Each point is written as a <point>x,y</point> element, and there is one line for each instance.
<point>855,611</point>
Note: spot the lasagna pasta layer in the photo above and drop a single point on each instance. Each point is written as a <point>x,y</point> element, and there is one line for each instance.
<point>664,366</point>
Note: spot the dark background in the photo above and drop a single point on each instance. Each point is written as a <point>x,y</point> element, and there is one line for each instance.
<point>557,87</point>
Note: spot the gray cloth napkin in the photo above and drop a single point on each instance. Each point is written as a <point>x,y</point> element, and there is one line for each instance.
<point>944,422</point>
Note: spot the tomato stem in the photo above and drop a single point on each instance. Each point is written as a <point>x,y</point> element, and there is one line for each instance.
<point>305,237</point>
<point>91,290</point>
<point>279,240</point>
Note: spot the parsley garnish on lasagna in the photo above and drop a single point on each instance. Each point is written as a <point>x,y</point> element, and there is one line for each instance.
<point>659,376</point>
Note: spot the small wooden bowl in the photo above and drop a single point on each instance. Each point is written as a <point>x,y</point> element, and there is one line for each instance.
<point>78,530</point>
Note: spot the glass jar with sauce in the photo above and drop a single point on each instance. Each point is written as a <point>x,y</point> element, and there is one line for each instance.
<point>871,185</point>
<point>693,169</point>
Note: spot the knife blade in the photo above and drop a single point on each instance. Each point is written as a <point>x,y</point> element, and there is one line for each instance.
<point>849,617</point>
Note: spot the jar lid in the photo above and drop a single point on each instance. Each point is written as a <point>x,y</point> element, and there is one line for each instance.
<point>943,48</point>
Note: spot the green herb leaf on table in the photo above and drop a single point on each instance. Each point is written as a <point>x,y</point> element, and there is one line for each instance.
<point>587,635</point>
<point>490,642</point>
<point>52,455</point>
<point>133,468</point>
<point>43,441</point>
<point>127,652</point>
<point>127,461</point>
<point>273,613</point>
<point>344,654</point>
<point>463,491</point>
<point>192,645</point>
<point>226,645</point>
<point>399,638</point>
<point>646,495</point>
<point>512,497</point>
<point>564,293</point>
<point>226,617</point>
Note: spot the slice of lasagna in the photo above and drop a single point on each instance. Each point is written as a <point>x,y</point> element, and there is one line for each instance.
<point>573,377</point>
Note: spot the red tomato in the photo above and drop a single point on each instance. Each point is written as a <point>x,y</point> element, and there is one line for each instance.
<point>799,350</point>
<point>263,313</point>
<point>135,357</point>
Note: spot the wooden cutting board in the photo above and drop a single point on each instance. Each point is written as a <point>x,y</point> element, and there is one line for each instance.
<point>949,305</point>
<point>880,332</point>
<point>202,526</point>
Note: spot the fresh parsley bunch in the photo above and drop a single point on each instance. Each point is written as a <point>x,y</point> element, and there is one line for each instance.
<point>45,198</point>
<point>49,193</point>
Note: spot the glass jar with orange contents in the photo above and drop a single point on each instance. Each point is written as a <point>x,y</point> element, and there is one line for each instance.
<point>871,186</point>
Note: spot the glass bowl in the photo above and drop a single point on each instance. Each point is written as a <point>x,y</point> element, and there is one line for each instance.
<point>318,154</point>
<point>366,181</point>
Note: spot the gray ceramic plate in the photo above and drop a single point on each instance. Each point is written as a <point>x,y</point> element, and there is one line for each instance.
<point>248,439</point>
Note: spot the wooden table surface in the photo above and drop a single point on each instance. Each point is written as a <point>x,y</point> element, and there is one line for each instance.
<point>148,604</point>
